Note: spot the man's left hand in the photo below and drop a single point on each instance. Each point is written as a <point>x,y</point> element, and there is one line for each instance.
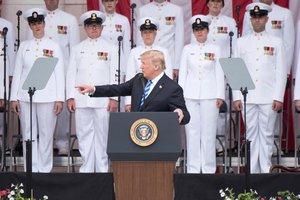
<point>112,106</point>
<point>219,103</point>
<point>180,114</point>
<point>58,105</point>
<point>277,105</point>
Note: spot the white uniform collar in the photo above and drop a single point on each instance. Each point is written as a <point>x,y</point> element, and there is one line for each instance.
<point>53,12</point>
<point>110,15</point>
<point>215,17</point>
<point>148,47</point>
<point>161,4</point>
<point>259,34</point>
<point>93,40</point>
<point>201,44</point>
<point>39,39</point>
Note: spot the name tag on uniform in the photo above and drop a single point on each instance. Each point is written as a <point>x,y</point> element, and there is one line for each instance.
<point>276,24</point>
<point>222,30</point>
<point>118,27</point>
<point>102,55</point>
<point>269,51</point>
<point>209,56</point>
<point>170,20</point>
<point>47,53</point>
<point>62,29</point>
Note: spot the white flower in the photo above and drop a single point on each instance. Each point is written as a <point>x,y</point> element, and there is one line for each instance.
<point>222,194</point>
<point>220,191</point>
<point>21,191</point>
<point>9,195</point>
<point>45,197</point>
<point>288,197</point>
<point>227,198</point>
<point>12,192</point>
<point>11,198</point>
<point>21,185</point>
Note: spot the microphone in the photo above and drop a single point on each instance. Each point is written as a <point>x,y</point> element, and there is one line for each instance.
<point>19,13</point>
<point>133,5</point>
<point>141,77</point>
<point>4,31</point>
<point>231,34</point>
<point>120,38</point>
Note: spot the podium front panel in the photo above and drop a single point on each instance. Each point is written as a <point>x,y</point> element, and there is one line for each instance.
<point>166,147</point>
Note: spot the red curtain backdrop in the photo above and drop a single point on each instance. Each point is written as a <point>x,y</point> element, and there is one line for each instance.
<point>0,7</point>
<point>92,4</point>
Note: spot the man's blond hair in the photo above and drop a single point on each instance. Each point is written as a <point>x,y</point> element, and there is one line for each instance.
<point>156,57</point>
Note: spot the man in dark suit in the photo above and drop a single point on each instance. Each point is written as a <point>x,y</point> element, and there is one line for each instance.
<point>150,90</point>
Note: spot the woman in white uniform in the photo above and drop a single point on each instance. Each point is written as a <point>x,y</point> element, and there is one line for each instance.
<point>202,80</point>
<point>48,102</point>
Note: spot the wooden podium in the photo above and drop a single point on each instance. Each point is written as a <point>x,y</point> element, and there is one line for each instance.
<point>143,172</point>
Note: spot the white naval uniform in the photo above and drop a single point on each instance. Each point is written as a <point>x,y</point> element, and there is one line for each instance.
<point>280,24</point>
<point>265,59</point>
<point>92,62</point>
<point>218,34</point>
<point>134,63</point>
<point>170,32</point>
<point>2,81</point>
<point>44,118</point>
<point>63,28</point>
<point>10,40</point>
<point>116,25</point>
<point>202,80</point>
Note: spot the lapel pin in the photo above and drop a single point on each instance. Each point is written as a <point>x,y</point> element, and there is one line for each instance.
<point>160,86</point>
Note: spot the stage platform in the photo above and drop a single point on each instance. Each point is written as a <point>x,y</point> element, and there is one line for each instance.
<point>71,164</point>
<point>94,186</point>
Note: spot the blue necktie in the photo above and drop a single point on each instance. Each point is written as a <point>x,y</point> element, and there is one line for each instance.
<point>146,92</point>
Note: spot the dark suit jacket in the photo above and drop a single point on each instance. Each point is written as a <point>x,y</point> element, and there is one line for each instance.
<point>166,96</point>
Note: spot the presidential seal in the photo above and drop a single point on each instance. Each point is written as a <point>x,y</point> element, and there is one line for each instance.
<point>143,132</point>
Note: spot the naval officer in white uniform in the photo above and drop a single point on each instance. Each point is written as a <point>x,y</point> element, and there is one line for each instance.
<point>47,103</point>
<point>202,80</point>
<point>280,24</point>
<point>117,25</point>
<point>220,28</point>
<point>170,33</point>
<point>63,28</point>
<point>92,62</point>
<point>148,27</point>
<point>266,62</point>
